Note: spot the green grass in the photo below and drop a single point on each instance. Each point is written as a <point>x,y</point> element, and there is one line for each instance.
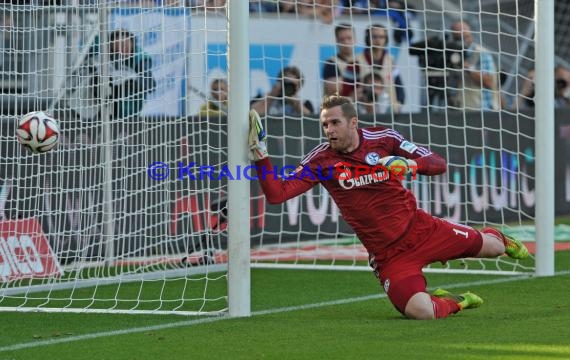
<point>522,319</point>
<point>135,296</point>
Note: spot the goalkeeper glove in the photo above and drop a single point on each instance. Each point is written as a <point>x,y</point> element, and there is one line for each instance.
<point>396,165</point>
<point>257,138</point>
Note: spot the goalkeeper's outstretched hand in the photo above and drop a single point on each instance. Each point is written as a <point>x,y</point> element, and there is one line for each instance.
<point>257,138</point>
<point>398,165</point>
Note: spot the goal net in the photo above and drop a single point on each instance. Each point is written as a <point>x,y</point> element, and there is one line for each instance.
<point>120,216</point>
<point>432,92</point>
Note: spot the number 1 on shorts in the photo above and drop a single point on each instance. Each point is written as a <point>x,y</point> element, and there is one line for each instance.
<point>460,232</point>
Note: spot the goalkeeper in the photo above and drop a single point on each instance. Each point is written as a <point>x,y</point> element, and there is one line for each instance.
<point>399,237</point>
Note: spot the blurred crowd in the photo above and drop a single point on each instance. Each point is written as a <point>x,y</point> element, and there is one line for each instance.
<point>525,99</point>
<point>369,76</point>
<point>323,10</point>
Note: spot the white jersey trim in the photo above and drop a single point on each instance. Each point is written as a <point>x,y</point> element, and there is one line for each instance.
<point>318,149</point>
<point>379,134</point>
<point>367,134</point>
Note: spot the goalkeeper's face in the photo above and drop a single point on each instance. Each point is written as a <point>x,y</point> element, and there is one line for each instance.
<point>341,132</point>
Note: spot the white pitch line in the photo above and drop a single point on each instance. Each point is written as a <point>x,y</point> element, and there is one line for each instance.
<point>28,345</point>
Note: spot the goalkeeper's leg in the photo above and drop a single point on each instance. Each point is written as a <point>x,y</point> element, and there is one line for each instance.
<point>495,243</point>
<point>405,285</point>
<point>401,267</point>
<point>410,297</point>
<point>454,241</point>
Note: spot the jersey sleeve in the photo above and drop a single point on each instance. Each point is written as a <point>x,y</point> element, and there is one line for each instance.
<point>429,163</point>
<point>278,190</point>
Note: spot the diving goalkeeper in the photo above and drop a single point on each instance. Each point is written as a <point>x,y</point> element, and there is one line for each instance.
<point>400,238</point>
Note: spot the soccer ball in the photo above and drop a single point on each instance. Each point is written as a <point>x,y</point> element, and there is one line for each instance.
<point>38,131</point>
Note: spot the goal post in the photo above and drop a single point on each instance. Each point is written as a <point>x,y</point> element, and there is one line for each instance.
<point>545,185</point>
<point>239,282</point>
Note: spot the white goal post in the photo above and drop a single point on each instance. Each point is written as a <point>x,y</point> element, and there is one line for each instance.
<point>545,185</point>
<point>133,213</point>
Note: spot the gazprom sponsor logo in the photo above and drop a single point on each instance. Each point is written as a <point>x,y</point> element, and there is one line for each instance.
<point>362,180</point>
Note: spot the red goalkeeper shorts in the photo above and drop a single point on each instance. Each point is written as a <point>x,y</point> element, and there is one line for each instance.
<point>429,239</point>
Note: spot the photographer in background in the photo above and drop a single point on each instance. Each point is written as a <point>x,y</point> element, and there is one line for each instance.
<point>131,76</point>
<point>217,104</point>
<point>283,99</point>
<point>129,83</point>
<point>442,62</point>
<point>525,98</point>
<point>478,84</point>
<point>562,90</point>
<point>373,96</point>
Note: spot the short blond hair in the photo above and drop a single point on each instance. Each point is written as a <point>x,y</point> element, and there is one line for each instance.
<point>346,105</point>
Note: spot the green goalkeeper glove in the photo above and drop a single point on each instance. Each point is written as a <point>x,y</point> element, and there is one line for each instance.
<point>396,165</point>
<point>257,138</point>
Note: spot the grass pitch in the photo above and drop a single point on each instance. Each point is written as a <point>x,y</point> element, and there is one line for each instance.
<point>318,315</point>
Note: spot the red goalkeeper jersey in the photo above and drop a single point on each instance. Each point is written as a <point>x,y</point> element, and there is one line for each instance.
<point>376,206</point>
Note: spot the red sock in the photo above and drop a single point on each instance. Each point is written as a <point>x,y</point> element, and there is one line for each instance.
<point>495,233</point>
<point>443,307</point>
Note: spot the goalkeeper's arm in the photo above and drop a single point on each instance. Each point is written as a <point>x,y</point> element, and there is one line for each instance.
<point>276,190</point>
<point>421,161</point>
<point>431,164</point>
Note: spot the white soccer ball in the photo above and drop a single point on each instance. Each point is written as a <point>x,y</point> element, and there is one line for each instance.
<point>38,131</point>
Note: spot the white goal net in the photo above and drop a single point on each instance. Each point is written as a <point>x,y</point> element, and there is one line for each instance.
<point>432,92</point>
<point>119,217</point>
<point>129,212</point>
